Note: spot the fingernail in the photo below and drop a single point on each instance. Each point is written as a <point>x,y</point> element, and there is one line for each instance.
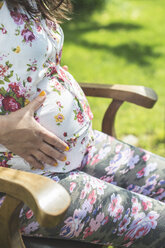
<point>66,148</point>
<point>64,159</point>
<point>43,93</point>
<point>55,164</point>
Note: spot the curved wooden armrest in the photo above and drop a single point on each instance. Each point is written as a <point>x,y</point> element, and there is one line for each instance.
<point>139,95</point>
<point>47,199</point>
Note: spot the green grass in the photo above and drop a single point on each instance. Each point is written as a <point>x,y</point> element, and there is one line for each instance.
<point>123,44</point>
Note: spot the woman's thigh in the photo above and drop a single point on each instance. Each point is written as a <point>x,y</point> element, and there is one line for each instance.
<point>126,166</point>
<point>103,213</point>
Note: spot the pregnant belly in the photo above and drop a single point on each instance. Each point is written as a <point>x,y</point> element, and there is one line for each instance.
<point>59,115</point>
<point>62,115</point>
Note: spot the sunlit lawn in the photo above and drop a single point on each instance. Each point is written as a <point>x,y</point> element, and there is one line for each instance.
<point>123,44</point>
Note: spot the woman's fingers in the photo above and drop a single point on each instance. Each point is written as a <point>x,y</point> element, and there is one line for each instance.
<point>52,152</point>
<point>46,135</point>
<point>65,67</point>
<point>53,140</point>
<point>36,103</point>
<point>34,162</point>
<point>40,156</point>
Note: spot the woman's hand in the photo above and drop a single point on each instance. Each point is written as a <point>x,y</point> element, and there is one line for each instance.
<point>65,67</point>
<point>24,136</point>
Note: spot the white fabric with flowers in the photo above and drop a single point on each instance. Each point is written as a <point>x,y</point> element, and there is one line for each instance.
<point>30,54</point>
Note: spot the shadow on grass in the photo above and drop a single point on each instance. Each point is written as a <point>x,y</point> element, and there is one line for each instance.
<point>133,52</point>
<point>160,141</point>
<point>94,26</point>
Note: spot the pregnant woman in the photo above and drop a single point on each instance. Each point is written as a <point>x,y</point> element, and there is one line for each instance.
<point>45,127</point>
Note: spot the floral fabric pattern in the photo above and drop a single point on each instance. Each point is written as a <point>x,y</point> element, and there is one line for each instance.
<point>103,210</point>
<point>117,190</point>
<point>30,57</point>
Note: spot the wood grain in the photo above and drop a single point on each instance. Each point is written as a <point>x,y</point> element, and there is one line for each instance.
<point>138,95</point>
<point>48,199</point>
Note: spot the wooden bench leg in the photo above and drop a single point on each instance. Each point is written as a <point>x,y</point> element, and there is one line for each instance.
<point>108,125</point>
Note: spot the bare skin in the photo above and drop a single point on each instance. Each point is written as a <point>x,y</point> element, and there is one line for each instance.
<point>24,136</point>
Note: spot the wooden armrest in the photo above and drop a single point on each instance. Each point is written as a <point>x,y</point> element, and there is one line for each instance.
<point>47,199</point>
<point>138,95</point>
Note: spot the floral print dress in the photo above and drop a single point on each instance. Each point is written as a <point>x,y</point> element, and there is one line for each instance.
<point>30,55</point>
<point>118,193</point>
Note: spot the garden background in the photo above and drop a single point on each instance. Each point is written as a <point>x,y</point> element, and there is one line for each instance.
<point>122,42</point>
